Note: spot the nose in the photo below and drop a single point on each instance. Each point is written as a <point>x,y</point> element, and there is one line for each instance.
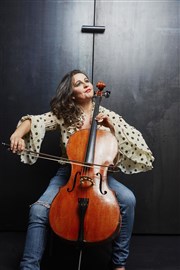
<point>85,84</point>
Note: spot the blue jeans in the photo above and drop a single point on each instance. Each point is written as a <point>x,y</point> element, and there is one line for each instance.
<point>39,223</point>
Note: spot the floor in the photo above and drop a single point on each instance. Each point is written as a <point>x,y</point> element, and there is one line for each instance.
<point>147,252</point>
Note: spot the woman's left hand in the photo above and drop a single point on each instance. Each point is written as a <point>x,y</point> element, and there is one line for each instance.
<point>105,121</point>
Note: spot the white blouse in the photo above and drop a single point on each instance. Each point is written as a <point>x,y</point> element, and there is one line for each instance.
<point>133,153</point>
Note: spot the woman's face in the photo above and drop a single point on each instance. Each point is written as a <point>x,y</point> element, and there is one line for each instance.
<point>82,88</point>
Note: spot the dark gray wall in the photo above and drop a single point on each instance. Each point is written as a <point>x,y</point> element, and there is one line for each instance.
<point>138,59</point>
<point>40,42</point>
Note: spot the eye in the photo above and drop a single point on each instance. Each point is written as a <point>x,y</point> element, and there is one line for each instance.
<point>78,83</point>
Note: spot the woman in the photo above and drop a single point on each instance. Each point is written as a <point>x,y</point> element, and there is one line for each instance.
<point>71,110</point>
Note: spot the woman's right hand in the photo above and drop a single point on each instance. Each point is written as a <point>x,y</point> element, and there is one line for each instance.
<point>16,140</point>
<point>17,144</point>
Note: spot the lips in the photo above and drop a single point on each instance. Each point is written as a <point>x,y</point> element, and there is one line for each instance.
<point>88,90</point>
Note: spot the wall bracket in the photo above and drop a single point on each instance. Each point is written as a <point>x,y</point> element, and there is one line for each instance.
<point>92,29</point>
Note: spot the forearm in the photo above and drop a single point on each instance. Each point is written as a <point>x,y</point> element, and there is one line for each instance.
<point>23,128</point>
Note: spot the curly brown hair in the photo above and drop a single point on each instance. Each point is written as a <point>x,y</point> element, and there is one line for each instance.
<point>62,105</point>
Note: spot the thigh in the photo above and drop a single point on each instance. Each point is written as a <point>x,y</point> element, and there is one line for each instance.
<point>123,193</point>
<point>59,180</point>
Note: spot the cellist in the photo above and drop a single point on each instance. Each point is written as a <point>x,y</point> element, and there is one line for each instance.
<point>71,110</point>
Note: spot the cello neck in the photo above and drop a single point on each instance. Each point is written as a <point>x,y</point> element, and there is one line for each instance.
<point>89,158</point>
<point>92,135</point>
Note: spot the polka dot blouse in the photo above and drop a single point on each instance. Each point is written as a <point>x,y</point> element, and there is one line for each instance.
<point>133,153</point>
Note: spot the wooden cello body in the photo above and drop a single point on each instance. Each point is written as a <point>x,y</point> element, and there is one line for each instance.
<point>86,210</point>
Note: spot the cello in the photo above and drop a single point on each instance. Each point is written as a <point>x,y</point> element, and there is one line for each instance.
<point>86,210</point>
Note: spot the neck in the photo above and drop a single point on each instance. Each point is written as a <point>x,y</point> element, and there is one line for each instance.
<point>87,107</point>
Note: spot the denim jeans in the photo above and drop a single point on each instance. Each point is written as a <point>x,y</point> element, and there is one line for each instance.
<point>39,223</point>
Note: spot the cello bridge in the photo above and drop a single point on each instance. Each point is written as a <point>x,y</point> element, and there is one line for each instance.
<point>86,181</point>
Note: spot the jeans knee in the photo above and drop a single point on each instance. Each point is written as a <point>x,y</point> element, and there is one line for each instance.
<point>38,213</point>
<point>132,200</point>
<point>127,199</point>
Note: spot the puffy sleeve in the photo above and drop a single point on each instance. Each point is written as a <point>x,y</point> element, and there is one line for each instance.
<point>33,140</point>
<point>134,155</point>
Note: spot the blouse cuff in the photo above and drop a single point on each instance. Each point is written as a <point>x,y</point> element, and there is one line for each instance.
<point>33,139</point>
<point>134,155</point>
